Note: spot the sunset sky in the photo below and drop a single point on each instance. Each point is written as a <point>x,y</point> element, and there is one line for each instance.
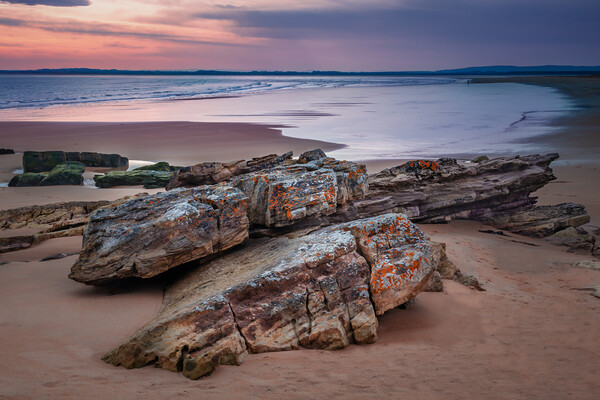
<point>297,35</point>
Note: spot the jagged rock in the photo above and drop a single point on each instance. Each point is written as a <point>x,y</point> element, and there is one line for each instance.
<point>439,191</point>
<point>283,294</point>
<point>210,173</point>
<point>148,235</point>
<point>159,166</point>
<point>542,221</point>
<point>45,216</point>
<point>40,161</point>
<point>311,155</point>
<point>148,178</point>
<point>281,196</point>
<point>575,239</point>
<point>479,159</point>
<point>7,151</point>
<point>69,173</point>
<point>14,243</point>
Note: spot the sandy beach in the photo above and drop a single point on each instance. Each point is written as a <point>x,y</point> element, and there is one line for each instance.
<point>530,335</point>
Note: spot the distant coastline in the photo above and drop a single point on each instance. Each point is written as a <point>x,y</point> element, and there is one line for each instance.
<point>488,70</point>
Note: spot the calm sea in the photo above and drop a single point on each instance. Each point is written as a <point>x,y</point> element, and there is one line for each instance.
<point>376,117</point>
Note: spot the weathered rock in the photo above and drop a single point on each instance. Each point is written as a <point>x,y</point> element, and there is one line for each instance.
<point>351,178</point>
<point>14,243</point>
<point>148,178</point>
<point>210,173</point>
<point>284,195</point>
<point>575,239</point>
<point>435,283</point>
<point>542,221</point>
<point>589,264</point>
<point>40,161</point>
<point>7,151</point>
<point>69,173</point>
<point>159,166</point>
<point>440,261</point>
<point>438,191</point>
<point>146,236</point>
<point>282,294</point>
<point>311,155</point>
<point>479,159</point>
<point>46,216</point>
<point>57,256</point>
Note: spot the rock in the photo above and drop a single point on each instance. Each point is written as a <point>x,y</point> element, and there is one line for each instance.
<point>149,235</point>
<point>589,264</point>
<point>311,155</point>
<point>440,261</point>
<point>148,178</point>
<point>490,192</point>
<point>282,294</point>
<point>574,239</point>
<point>284,195</point>
<point>7,151</point>
<point>435,284</point>
<point>15,243</point>
<point>40,161</point>
<point>57,256</point>
<point>26,179</point>
<point>480,159</point>
<point>210,173</point>
<point>68,173</point>
<point>542,221</point>
<point>159,166</point>
<point>469,280</point>
<point>351,178</point>
<point>49,215</point>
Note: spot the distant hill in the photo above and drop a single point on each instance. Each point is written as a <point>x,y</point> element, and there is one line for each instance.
<point>489,70</point>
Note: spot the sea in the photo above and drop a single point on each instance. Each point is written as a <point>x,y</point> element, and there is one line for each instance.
<point>376,117</point>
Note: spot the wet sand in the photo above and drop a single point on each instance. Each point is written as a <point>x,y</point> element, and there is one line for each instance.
<point>529,335</point>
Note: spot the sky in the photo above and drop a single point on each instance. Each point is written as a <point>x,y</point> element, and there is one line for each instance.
<point>303,35</point>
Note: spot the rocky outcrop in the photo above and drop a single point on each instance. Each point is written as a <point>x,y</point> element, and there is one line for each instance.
<point>495,192</point>
<point>149,179</point>
<point>69,173</point>
<point>7,151</point>
<point>576,240</point>
<point>159,166</point>
<point>319,291</point>
<point>541,221</point>
<point>14,243</point>
<point>50,216</point>
<point>282,196</point>
<point>210,173</point>
<point>311,155</point>
<point>40,161</point>
<point>149,235</point>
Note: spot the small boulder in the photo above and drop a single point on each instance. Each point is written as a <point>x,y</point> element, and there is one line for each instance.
<point>480,159</point>
<point>68,173</point>
<point>311,155</point>
<point>159,166</point>
<point>7,151</point>
<point>150,179</point>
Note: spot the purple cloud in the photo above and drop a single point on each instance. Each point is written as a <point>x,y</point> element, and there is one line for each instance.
<point>53,3</point>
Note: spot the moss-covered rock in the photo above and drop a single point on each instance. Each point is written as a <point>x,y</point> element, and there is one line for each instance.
<point>69,173</point>
<point>159,166</point>
<point>26,179</point>
<point>149,179</point>
<point>41,161</point>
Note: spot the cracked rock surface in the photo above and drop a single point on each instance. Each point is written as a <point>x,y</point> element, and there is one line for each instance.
<point>319,291</point>
<point>149,235</point>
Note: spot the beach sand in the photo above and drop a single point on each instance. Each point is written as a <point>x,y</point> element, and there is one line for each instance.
<point>529,335</point>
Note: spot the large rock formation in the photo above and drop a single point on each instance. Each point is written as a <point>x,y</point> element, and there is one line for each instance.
<point>210,173</point>
<point>315,291</point>
<point>40,161</point>
<point>496,192</point>
<point>148,235</point>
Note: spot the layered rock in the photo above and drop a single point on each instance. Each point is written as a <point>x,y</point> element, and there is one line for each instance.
<point>148,235</point>
<point>149,179</point>
<point>50,216</point>
<point>210,173</point>
<point>69,173</point>
<point>315,291</point>
<point>40,161</point>
<point>491,191</point>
